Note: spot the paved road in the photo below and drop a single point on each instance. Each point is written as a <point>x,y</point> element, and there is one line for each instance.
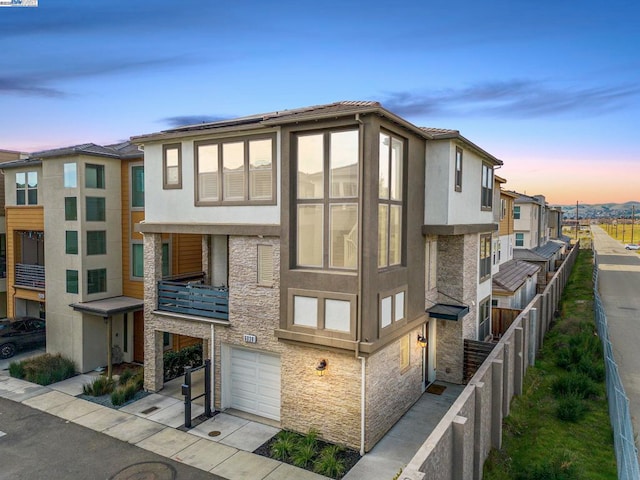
<point>620,292</point>
<point>36,445</point>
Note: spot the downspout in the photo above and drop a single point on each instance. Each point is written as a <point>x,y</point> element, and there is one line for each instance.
<point>363,360</point>
<point>212,349</point>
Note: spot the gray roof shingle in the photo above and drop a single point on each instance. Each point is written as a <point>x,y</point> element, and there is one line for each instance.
<point>512,275</point>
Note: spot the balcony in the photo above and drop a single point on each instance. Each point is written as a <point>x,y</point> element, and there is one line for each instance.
<point>193,298</point>
<point>30,276</point>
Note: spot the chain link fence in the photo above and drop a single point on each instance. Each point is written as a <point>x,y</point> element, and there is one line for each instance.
<point>626,451</point>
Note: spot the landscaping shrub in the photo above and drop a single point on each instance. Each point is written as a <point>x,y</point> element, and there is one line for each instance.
<point>593,369</point>
<point>560,467</point>
<point>99,386</point>
<point>328,463</point>
<point>571,409</point>
<point>125,376</point>
<point>574,383</point>
<point>284,445</point>
<point>44,369</point>
<point>176,361</point>
<point>117,397</point>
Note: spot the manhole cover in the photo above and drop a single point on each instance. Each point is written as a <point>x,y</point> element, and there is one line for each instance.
<point>146,471</point>
<point>214,433</point>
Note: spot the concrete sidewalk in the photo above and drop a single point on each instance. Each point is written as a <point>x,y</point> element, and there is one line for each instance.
<point>150,424</point>
<point>223,444</point>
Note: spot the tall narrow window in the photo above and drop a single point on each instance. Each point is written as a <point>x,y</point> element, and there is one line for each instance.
<point>94,176</point>
<point>390,200</point>
<point>487,186</point>
<point>137,186</point>
<point>72,281</point>
<point>27,188</point>
<point>97,280</point>
<point>458,170</point>
<point>327,208</point>
<point>516,212</point>
<point>70,175</point>
<point>485,256</point>
<point>171,166</point>
<point>137,260</point>
<point>519,239</point>
<point>71,242</point>
<point>484,319</point>
<point>233,171</point>
<point>70,208</point>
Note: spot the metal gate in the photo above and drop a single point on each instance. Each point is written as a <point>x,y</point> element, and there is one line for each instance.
<point>186,391</point>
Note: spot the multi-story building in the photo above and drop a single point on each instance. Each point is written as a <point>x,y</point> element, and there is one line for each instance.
<point>346,255</point>
<point>73,256</point>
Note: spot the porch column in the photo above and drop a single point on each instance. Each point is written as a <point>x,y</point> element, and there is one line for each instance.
<point>153,351</point>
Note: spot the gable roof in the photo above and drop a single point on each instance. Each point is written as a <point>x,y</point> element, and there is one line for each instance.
<point>512,275</point>
<point>538,254</point>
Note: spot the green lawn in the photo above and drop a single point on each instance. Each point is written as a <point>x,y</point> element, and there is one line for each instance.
<point>536,443</point>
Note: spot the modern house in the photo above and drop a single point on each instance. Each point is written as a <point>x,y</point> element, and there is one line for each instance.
<point>72,255</point>
<point>345,256</point>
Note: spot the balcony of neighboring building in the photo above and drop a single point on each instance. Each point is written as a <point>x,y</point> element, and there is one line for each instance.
<point>188,294</point>
<point>29,270</point>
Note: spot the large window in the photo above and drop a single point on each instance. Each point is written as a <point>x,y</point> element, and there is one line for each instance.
<point>96,210</point>
<point>71,242</point>
<point>72,281</point>
<point>516,212</point>
<point>487,186</point>
<point>97,280</point>
<point>327,187</point>
<point>484,319</point>
<point>390,201</point>
<point>458,170</point>
<point>171,166</point>
<point>27,188</point>
<point>238,171</point>
<point>485,256</point>
<point>94,176</point>
<point>70,175</point>
<point>96,242</point>
<point>319,311</point>
<point>519,239</point>
<point>137,186</point>
<point>70,208</point>
<point>137,260</point>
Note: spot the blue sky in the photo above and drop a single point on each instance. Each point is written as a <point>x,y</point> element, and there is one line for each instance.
<point>551,88</point>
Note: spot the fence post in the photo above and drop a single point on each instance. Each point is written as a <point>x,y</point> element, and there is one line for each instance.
<point>497,387</point>
<point>207,387</point>
<point>533,335</point>
<point>518,362</point>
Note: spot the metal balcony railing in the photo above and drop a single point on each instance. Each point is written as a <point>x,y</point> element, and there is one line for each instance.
<point>193,299</point>
<point>31,276</point>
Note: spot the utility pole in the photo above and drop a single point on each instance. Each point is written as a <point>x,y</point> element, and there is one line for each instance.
<point>633,220</point>
<point>577,222</point>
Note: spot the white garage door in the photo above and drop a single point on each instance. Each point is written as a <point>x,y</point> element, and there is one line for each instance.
<point>255,383</point>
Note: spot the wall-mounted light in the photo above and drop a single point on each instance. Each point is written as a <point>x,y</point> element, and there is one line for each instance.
<point>422,341</point>
<point>321,368</point>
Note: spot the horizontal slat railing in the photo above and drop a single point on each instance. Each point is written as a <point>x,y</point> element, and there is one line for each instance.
<point>31,276</point>
<point>189,299</point>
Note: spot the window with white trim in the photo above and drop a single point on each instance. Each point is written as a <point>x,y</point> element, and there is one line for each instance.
<point>485,256</point>
<point>27,188</point>
<point>519,239</point>
<point>487,186</point>
<point>392,308</point>
<point>329,311</point>
<point>516,212</point>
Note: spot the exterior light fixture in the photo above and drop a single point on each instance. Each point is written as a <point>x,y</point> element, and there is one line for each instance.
<point>422,341</point>
<point>321,368</point>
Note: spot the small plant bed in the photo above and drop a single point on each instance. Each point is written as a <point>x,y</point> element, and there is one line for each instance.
<point>559,427</point>
<point>311,453</point>
<point>43,369</point>
<point>115,394</point>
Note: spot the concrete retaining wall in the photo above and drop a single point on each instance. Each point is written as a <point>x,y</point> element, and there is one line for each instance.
<point>460,443</point>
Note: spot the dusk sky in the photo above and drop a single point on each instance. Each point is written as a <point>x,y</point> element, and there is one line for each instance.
<point>550,87</point>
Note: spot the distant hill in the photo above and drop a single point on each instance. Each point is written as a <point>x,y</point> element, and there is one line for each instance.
<point>602,210</point>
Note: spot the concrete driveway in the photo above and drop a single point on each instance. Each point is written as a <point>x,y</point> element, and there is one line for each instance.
<point>21,355</point>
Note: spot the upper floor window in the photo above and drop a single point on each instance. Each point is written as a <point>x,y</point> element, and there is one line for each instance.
<point>516,212</point>
<point>519,239</point>
<point>503,208</point>
<point>94,176</point>
<point>27,188</point>
<point>137,260</point>
<point>171,166</point>
<point>322,311</point>
<point>95,209</point>
<point>484,319</point>
<point>390,181</point>
<point>96,242</point>
<point>487,186</point>
<point>392,308</point>
<point>327,186</point>
<point>137,186</point>
<point>485,256</point>
<point>235,171</point>
<point>70,175</point>
<point>97,280</point>
<point>70,208</point>
<point>458,167</point>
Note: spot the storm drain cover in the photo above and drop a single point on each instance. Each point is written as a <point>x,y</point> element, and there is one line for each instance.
<point>146,471</point>
<point>214,433</point>
<point>149,410</point>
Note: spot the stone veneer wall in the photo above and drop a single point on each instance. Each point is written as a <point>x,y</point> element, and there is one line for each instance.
<point>456,254</point>
<point>389,391</point>
<point>331,403</point>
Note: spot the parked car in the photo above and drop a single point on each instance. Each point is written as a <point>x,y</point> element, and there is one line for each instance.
<point>19,333</point>
<point>632,246</point>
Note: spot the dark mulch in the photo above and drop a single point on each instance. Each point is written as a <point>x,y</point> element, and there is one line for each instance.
<point>349,456</point>
<point>105,400</point>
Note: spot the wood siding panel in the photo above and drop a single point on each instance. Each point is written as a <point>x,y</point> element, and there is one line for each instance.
<point>19,218</point>
<point>186,254</point>
<point>130,287</point>
<point>182,341</point>
<point>506,224</point>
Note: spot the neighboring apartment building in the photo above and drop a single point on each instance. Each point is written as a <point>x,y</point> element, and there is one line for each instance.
<point>333,239</point>
<point>72,255</point>
<point>5,156</point>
